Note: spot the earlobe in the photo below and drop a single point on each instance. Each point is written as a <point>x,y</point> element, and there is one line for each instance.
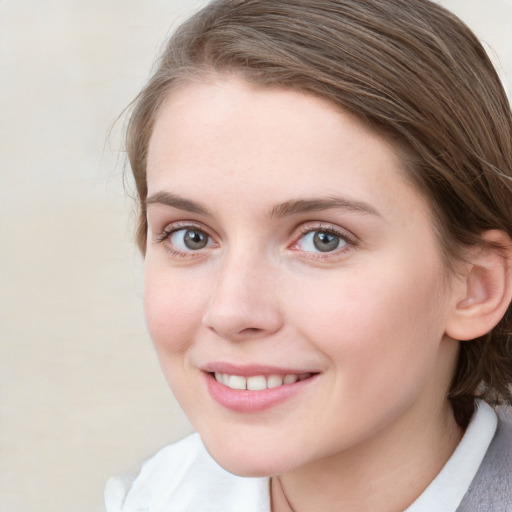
<point>485,289</point>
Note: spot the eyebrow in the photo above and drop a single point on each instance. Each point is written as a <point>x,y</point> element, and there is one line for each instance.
<point>319,204</point>
<point>285,209</point>
<point>178,202</point>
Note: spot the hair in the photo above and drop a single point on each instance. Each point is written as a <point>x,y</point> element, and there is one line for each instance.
<point>407,68</point>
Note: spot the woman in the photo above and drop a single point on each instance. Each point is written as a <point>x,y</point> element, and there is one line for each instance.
<point>325,214</point>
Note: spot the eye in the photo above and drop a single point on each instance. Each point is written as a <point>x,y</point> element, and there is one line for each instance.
<point>189,239</point>
<point>185,240</point>
<point>322,241</point>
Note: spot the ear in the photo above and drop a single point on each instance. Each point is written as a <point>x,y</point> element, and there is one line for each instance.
<point>484,292</point>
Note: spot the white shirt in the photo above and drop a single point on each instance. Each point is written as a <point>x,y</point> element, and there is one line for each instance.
<point>446,491</point>
<point>182,477</point>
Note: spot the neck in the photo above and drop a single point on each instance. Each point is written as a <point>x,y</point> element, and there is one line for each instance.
<point>385,474</point>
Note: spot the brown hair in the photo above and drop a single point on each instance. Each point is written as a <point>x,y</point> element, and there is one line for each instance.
<point>409,69</point>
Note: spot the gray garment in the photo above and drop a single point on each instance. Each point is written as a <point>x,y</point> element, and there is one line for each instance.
<point>491,489</point>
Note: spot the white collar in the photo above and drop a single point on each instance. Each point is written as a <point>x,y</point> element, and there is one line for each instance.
<point>446,491</point>
<point>183,477</point>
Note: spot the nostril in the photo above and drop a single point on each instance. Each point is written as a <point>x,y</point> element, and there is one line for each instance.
<point>251,330</point>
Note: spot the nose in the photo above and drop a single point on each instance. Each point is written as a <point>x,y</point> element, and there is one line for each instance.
<point>243,302</point>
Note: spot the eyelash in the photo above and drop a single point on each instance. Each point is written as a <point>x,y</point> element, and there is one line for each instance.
<point>303,230</point>
<point>169,231</point>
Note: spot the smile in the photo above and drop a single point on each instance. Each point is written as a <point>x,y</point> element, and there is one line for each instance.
<point>257,391</point>
<point>259,382</point>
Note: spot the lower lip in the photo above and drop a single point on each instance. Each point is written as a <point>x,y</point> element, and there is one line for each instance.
<point>248,401</point>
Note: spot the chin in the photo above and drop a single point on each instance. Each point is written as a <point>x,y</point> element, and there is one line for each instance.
<point>253,463</point>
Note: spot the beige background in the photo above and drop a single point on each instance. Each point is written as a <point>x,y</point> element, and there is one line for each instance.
<point>81,392</point>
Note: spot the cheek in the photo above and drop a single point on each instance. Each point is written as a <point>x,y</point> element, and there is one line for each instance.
<point>173,310</point>
<point>378,326</point>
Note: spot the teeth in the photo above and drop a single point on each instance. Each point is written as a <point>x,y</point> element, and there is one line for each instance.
<point>259,382</point>
<point>237,382</point>
<point>290,379</point>
<point>256,383</point>
<point>274,381</point>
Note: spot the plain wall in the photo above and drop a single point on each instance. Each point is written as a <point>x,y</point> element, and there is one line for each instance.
<point>82,396</point>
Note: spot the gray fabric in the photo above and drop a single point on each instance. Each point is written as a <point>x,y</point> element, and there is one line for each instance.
<point>491,489</point>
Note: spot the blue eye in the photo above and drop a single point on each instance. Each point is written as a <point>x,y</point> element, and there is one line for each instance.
<point>188,239</point>
<point>321,241</point>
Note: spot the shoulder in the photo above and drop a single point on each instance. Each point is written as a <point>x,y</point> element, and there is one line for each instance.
<point>491,489</point>
<point>503,438</point>
<point>183,477</point>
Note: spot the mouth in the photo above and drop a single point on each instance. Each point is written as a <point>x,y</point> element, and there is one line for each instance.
<point>259,382</point>
<point>256,391</point>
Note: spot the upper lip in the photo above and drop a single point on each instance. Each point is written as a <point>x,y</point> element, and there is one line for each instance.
<point>251,370</point>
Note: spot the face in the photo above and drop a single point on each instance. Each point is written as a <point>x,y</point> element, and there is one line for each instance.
<point>294,287</point>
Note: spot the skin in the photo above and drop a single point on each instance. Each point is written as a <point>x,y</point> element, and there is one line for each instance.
<point>373,428</point>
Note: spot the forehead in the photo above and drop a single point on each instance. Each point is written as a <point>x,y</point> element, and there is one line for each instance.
<point>227,139</point>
